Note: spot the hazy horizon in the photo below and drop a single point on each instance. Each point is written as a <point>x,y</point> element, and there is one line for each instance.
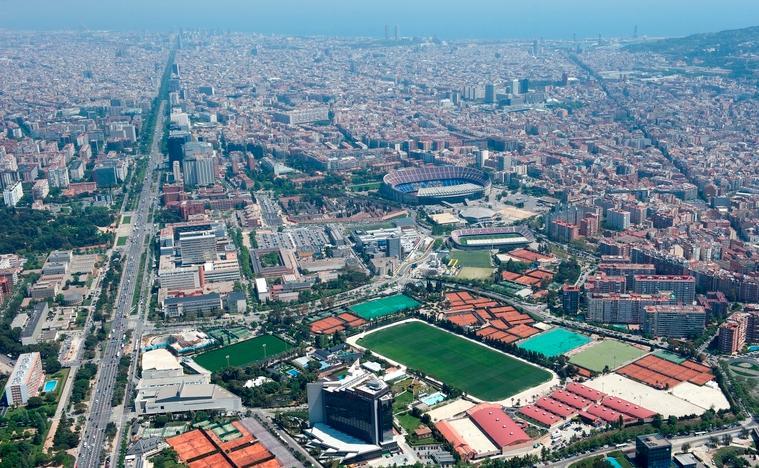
<point>474,19</point>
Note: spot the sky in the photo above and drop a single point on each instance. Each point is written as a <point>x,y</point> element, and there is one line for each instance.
<point>445,19</point>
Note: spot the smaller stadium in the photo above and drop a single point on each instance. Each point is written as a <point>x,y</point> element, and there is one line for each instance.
<point>435,184</point>
<point>507,237</point>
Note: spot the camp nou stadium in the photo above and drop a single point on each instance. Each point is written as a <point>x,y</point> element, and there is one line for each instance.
<point>435,184</point>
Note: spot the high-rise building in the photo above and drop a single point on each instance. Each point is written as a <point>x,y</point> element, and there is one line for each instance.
<point>481,157</point>
<point>176,171</point>
<point>682,287</point>
<point>490,93</point>
<point>563,231</point>
<point>515,87</point>
<point>197,247</point>
<point>25,380</point>
<point>177,139</point>
<point>394,248</point>
<point>653,451</point>
<point>13,194</point>
<point>627,269</point>
<point>524,86</point>
<point>199,165</point>
<point>739,329</point>
<point>570,299</point>
<point>622,308</point>
<point>360,405</point>
<point>618,219</point>
<point>674,321</point>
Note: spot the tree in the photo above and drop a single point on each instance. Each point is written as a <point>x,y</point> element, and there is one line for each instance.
<point>34,402</point>
<point>686,447</point>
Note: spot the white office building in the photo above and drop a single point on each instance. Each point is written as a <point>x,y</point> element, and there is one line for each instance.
<point>13,194</point>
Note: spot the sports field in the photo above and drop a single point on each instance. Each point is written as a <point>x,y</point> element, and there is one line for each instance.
<point>555,342</point>
<point>605,353</point>
<point>475,273</point>
<point>384,306</point>
<point>242,353</point>
<point>471,258</point>
<point>478,370</point>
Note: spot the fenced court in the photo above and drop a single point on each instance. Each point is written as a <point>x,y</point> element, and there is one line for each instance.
<point>479,370</point>
<point>242,353</point>
<point>384,306</point>
<point>606,353</point>
<point>555,342</point>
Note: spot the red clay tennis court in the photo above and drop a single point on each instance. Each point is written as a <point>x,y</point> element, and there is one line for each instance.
<point>663,374</point>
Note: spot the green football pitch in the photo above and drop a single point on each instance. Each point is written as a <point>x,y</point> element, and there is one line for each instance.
<point>384,306</point>
<point>478,370</point>
<point>242,353</point>
<point>606,353</point>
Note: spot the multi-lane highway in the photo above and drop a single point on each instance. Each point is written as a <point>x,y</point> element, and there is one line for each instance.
<point>91,445</point>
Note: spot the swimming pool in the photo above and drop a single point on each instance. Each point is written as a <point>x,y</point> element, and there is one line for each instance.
<point>433,398</point>
<point>293,373</point>
<point>614,462</point>
<point>751,349</point>
<point>50,386</point>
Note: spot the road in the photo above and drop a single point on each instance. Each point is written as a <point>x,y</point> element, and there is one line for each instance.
<point>91,445</point>
<point>677,443</point>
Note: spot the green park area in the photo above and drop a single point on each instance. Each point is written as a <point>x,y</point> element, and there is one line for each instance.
<point>463,364</point>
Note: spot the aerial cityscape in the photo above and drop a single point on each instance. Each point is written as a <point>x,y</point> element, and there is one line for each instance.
<point>228,248</point>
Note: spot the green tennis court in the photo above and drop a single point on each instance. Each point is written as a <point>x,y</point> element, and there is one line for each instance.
<point>606,353</point>
<point>555,342</point>
<point>384,306</point>
<point>476,369</point>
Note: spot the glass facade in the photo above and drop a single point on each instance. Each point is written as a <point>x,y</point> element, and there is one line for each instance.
<point>350,413</point>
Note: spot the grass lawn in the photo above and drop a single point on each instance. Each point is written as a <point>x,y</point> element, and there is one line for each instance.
<point>121,241</point>
<point>472,258</point>
<point>126,219</point>
<point>408,422</point>
<point>479,370</point>
<point>475,273</point>
<point>554,342</point>
<point>242,353</point>
<point>402,400</point>
<point>384,306</point>
<point>609,353</point>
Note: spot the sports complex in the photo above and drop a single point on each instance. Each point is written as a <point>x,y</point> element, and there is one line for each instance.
<point>435,184</point>
<point>507,237</point>
<point>509,403</point>
<point>479,370</point>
